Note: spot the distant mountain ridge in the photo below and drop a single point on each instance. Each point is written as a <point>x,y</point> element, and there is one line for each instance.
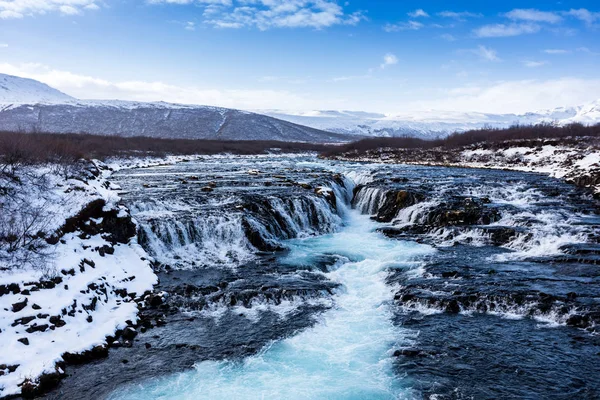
<point>31,106</point>
<point>431,124</point>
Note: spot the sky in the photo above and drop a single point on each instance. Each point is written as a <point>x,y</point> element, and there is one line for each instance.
<point>380,56</point>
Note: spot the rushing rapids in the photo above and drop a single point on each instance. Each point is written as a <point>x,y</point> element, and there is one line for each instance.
<point>291,277</point>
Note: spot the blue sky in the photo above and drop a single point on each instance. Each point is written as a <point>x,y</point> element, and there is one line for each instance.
<point>382,56</point>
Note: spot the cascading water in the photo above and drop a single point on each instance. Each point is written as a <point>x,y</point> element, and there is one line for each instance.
<point>203,221</point>
<point>279,290</point>
<point>347,355</point>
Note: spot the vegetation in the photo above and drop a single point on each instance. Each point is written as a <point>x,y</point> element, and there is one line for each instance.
<point>486,136</point>
<point>67,148</point>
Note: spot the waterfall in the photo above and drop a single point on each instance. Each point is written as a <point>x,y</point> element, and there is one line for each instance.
<point>188,232</point>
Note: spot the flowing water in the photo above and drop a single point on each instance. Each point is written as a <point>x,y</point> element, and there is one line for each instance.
<point>288,277</point>
<point>345,356</point>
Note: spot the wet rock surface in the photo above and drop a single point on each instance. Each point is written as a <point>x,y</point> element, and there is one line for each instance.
<point>509,305</point>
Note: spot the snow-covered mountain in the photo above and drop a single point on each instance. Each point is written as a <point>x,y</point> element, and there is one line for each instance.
<point>30,105</point>
<point>430,124</point>
<point>26,91</point>
<point>27,105</point>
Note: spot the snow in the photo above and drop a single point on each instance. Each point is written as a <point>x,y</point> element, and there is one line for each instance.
<point>45,349</point>
<point>557,161</point>
<point>28,91</point>
<point>94,276</point>
<point>589,161</point>
<point>431,123</point>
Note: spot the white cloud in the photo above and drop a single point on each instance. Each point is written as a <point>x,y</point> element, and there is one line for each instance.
<point>267,14</point>
<point>485,53</point>
<point>352,77</point>
<point>503,30</point>
<point>459,15</point>
<point>3,45</point>
<point>556,51</point>
<point>403,26</point>
<point>418,13</point>
<point>533,15</point>
<point>534,64</point>
<point>584,15</point>
<point>389,59</point>
<point>494,97</point>
<point>515,96</point>
<point>10,9</point>
<point>89,87</point>
<point>190,26</point>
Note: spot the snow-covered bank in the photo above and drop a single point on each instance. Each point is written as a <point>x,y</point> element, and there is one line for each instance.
<point>576,160</point>
<point>579,164</point>
<point>85,282</point>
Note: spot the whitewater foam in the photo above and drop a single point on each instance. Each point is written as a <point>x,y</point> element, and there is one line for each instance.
<point>347,355</point>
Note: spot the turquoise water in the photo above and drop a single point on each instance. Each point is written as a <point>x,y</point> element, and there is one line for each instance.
<point>346,355</point>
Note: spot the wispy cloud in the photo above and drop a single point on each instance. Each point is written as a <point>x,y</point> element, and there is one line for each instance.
<point>486,53</point>
<point>418,13</point>
<point>534,64</point>
<point>10,9</point>
<point>506,30</point>
<point>389,59</point>
<point>515,96</point>
<point>3,45</point>
<point>268,14</point>
<point>350,77</point>
<point>533,15</point>
<point>404,26</point>
<point>91,87</point>
<point>584,15</point>
<point>461,16</point>
<point>556,51</point>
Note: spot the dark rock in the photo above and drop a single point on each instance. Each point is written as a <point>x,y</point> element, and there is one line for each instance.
<point>25,341</point>
<point>452,307</point>
<point>95,353</point>
<point>16,307</point>
<point>129,333</point>
<point>395,200</point>
<point>23,321</point>
<point>37,328</point>
<point>409,353</point>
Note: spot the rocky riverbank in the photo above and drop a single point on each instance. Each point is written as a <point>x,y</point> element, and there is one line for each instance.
<point>576,160</point>
<point>72,275</point>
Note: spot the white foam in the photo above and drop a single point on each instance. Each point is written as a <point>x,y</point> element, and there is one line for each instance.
<point>346,355</point>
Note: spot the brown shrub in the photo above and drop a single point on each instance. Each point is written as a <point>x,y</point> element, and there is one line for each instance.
<point>484,136</point>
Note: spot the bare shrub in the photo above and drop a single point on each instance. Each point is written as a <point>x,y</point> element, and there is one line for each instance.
<point>488,137</point>
<point>66,148</point>
<point>25,217</point>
